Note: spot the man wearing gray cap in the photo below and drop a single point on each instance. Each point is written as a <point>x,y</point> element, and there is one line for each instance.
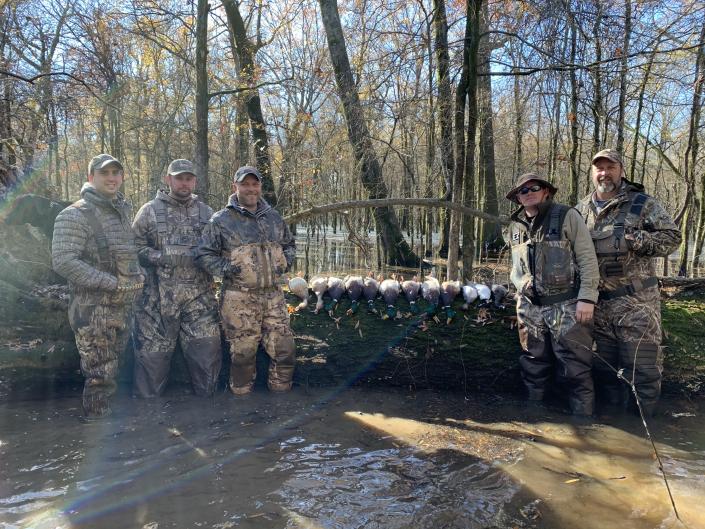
<point>629,228</point>
<point>554,270</point>
<point>94,249</point>
<point>178,302</point>
<point>250,246</point>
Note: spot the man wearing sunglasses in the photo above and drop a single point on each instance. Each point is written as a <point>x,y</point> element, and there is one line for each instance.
<point>629,229</point>
<point>554,270</point>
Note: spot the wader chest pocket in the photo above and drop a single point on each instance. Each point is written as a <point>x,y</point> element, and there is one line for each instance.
<point>613,269</point>
<point>556,265</point>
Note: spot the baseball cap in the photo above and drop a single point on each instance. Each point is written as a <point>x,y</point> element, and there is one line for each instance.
<point>102,160</point>
<point>180,166</point>
<point>609,154</point>
<point>241,173</point>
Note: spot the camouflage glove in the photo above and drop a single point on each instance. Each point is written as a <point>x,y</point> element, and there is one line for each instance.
<point>637,240</point>
<point>129,284</point>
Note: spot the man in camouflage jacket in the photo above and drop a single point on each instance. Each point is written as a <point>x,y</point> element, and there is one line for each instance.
<point>94,249</point>
<point>554,270</point>
<point>178,302</point>
<point>629,228</point>
<point>250,246</point>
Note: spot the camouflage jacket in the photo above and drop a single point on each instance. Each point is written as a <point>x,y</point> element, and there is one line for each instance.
<point>167,233</point>
<point>551,265</point>
<point>649,233</point>
<point>249,250</point>
<point>76,247</point>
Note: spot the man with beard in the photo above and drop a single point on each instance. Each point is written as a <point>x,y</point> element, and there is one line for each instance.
<point>178,302</point>
<point>629,229</point>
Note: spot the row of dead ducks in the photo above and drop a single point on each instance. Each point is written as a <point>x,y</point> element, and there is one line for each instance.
<point>436,294</point>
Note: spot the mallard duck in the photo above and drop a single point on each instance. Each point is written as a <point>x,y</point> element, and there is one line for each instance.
<point>411,289</point>
<point>353,284</point>
<point>389,290</point>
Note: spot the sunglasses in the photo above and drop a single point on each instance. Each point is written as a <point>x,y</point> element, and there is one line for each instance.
<point>533,189</point>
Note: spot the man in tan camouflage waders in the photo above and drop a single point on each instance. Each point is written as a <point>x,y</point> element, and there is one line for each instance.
<point>250,246</point>
<point>178,302</point>
<point>94,249</point>
<point>554,270</point>
<point>629,228</point>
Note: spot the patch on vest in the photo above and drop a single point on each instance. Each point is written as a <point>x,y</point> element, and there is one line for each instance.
<point>515,236</point>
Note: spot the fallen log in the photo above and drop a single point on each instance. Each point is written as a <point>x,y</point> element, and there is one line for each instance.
<point>475,351</point>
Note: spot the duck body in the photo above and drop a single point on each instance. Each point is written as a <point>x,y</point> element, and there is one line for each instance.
<point>353,285</point>
<point>431,291</point>
<point>389,289</point>
<point>336,289</point>
<point>319,285</point>
<point>449,291</point>
<point>370,287</point>
<point>469,295</point>
<point>299,287</point>
<point>411,289</point>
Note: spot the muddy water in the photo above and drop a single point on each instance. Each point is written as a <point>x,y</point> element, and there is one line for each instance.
<point>343,459</point>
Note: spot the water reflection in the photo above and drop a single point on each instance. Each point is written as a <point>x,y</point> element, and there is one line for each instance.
<point>344,459</point>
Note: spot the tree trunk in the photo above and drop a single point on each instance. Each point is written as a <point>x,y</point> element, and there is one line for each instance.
<point>491,234</point>
<point>624,65</point>
<point>445,112</point>
<point>246,54</point>
<point>640,107</point>
<point>573,116</point>
<point>396,248</point>
<point>466,97</point>
<point>597,102</point>
<point>694,145</point>
<point>201,152</point>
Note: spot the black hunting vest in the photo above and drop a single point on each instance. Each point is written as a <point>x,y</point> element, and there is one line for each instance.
<point>545,258</point>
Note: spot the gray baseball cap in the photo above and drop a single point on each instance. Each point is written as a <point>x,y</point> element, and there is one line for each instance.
<point>609,154</point>
<point>180,166</point>
<point>102,160</point>
<point>241,173</point>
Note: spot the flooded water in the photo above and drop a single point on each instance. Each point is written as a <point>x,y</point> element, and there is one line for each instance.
<point>345,459</point>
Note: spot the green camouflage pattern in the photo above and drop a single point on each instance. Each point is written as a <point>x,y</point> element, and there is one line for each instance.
<point>102,292</point>
<point>248,319</point>
<point>556,346</point>
<point>654,235</point>
<point>628,328</point>
<point>102,330</point>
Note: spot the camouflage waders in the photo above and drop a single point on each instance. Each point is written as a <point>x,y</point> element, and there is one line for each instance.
<point>251,250</point>
<point>251,317</point>
<point>553,266</point>
<point>628,231</point>
<point>178,303</point>
<point>93,247</point>
<point>553,342</point>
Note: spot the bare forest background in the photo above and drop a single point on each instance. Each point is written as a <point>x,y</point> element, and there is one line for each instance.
<point>352,100</point>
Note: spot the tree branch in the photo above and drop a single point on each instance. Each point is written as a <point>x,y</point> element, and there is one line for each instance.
<point>384,202</point>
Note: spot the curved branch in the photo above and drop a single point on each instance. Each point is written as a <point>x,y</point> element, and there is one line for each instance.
<point>383,202</point>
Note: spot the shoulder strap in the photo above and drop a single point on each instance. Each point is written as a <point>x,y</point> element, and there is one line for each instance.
<point>160,214</point>
<point>633,206</point>
<point>101,240</point>
<point>203,213</point>
<point>554,227</point>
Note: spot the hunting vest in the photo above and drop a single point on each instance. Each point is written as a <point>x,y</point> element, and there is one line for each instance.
<point>613,253</point>
<point>115,257</point>
<point>544,259</point>
<point>178,240</point>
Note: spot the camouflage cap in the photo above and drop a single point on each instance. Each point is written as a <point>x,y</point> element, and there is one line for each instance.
<point>609,154</point>
<point>102,160</point>
<point>180,166</point>
<point>528,177</point>
<point>241,173</point>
